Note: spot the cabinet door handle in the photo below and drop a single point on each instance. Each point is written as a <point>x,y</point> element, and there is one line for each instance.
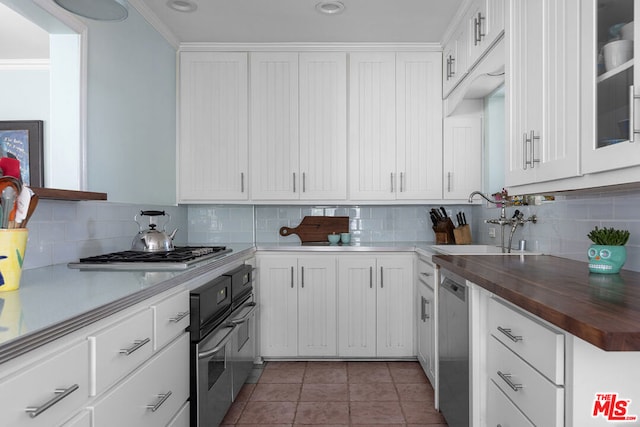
<point>508,334</point>
<point>242,182</point>
<point>60,394</point>
<point>422,308</point>
<point>425,274</point>
<point>448,71</point>
<point>178,317</point>
<point>370,277</point>
<point>304,182</point>
<point>294,182</point>
<point>448,182</point>
<point>381,277</point>
<point>524,151</point>
<point>392,182</point>
<point>136,346</point>
<point>291,277</point>
<point>302,276</point>
<point>480,33</point>
<point>162,398</point>
<point>507,379</point>
<point>533,155</point>
<point>632,111</point>
<point>401,179</point>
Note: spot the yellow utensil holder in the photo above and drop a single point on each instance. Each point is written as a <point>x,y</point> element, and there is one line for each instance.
<point>13,243</point>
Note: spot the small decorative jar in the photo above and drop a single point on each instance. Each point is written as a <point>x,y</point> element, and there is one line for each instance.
<point>606,259</point>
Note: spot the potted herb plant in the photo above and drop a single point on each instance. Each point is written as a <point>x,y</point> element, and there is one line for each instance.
<point>607,254</point>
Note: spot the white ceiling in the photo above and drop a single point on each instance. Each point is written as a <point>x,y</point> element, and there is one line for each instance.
<point>250,21</point>
<point>21,39</point>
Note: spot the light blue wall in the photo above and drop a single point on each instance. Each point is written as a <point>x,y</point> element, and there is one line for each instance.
<point>131,112</point>
<point>24,95</point>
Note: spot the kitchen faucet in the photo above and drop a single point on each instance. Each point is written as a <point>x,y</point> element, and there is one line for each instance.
<point>517,219</point>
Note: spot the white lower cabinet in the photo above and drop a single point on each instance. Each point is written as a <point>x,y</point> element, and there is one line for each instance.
<point>46,392</point>
<point>375,306</point>
<point>152,395</point>
<point>120,348</point>
<point>310,308</point>
<point>297,305</point>
<point>182,418</point>
<point>503,412</point>
<point>425,323</point>
<point>522,372</point>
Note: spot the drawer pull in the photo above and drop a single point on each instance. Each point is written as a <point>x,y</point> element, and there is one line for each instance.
<point>163,398</point>
<point>507,332</point>
<point>507,379</point>
<point>426,274</point>
<point>60,394</point>
<point>178,317</point>
<point>136,345</point>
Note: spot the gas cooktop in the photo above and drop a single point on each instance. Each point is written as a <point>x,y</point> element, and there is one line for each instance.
<point>180,258</point>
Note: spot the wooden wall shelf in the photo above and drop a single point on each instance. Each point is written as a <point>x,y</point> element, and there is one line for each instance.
<point>56,194</point>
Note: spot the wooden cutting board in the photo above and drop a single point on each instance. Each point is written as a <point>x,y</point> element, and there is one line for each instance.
<point>316,228</point>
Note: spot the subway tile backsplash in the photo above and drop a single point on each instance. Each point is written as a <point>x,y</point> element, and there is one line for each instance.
<point>62,231</point>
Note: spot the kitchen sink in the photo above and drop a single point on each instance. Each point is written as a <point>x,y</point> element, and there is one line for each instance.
<point>477,250</point>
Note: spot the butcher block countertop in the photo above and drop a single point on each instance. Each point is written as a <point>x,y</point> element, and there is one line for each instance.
<point>601,309</point>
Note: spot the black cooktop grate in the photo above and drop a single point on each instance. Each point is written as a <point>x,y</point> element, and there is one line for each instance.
<point>179,254</point>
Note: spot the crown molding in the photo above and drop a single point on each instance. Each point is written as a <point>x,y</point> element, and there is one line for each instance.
<point>24,64</point>
<point>310,47</point>
<point>155,22</point>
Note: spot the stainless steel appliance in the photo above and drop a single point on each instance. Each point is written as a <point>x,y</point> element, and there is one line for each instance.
<point>453,349</point>
<point>222,344</point>
<point>180,258</point>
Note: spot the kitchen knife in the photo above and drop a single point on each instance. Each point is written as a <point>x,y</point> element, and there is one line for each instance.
<point>459,218</point>
<point>464,219</point>
<point>444,212</point>
<point>436,214</point>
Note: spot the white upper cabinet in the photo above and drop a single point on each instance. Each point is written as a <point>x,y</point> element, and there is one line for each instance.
<point>298,126</point>
<point>213,144</point>
<point>274,126</point>
<point>455,59</point>
<point>395,126</point>
<point>418,126</point>
<point>543,95</point>
<point>485,24</point>
<point>609,86</point>
<point>372,109</point>
<point>462,156</point>
<point>323,126</point>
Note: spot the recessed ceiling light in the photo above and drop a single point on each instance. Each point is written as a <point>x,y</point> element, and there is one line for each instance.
<point>182,5</point>
<point>330,7</point>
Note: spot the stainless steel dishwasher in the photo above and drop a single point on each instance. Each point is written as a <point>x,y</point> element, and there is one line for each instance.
<point>453,353</point>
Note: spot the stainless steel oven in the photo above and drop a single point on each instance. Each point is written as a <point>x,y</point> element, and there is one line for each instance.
<point>222,345</point>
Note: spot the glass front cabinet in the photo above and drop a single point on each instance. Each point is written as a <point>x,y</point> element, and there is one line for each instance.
<point>611,104</point>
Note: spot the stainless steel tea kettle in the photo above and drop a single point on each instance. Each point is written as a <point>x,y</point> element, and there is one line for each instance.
<point>152,240</point>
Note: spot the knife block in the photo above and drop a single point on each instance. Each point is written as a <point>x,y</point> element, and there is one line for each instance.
<point>444,232</point>
<point>462,235</point>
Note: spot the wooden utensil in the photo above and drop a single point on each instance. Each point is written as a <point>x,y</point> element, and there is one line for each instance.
<point>32,207</point>
<point>317,228</point>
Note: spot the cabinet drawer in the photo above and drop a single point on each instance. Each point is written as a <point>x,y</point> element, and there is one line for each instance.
<point>51,381</point>
<point>170,318</point>
<point>536,343</point>
<point>182,417</point>
<point>153,395</point>
<point>501,411</point>
<point>426,272</point>
<point>81,420</point>
<point>539,399</point>
<point>119,349</point>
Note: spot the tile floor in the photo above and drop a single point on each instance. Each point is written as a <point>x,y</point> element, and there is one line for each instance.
<point>337,394</point>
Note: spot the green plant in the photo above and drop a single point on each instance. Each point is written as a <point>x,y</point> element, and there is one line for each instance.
<point>608,236</point>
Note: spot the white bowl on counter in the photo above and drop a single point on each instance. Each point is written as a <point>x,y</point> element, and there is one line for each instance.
<point>617,53</point>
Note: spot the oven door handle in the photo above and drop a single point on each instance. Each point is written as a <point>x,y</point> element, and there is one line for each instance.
<point>253,307</point>
<point>216,348</point>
